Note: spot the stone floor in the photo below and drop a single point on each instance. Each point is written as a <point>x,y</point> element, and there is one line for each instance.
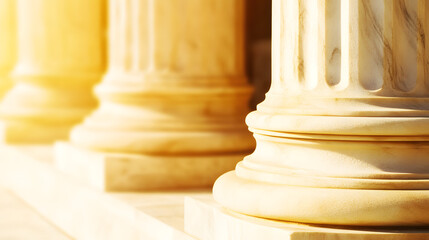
<point>84,212</point>
<point>18,221</point>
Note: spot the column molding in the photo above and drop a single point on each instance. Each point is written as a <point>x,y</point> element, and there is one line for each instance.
<point>345,151</point>
<point>175,94</point>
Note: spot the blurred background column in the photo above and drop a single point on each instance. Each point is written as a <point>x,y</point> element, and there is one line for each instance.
<point>342,137</point>
<point>173,101</point>
<point>7,42</point>
<point>61,55</point>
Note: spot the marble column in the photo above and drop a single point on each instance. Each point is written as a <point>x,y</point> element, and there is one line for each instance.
<point>7,42</point>
<point>61,56</point>
<point>342,137</point>
<point>173,102</point>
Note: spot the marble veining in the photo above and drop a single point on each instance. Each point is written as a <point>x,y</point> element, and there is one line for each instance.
<point>371,44</point>
<point>354,153</point>
<point>332,42</point>
<point>365,48</point>
<point>404,40</point>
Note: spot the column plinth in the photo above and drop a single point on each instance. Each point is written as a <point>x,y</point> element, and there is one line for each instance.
<point>7,43</point>
<point>173,102</point>
<point>61,56</point>
<point>342,135</point>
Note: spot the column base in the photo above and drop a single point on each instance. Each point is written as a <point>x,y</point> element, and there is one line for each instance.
<point>138,172</point>
<point>204,219</point>
<point>42,109</point>
<point>328,206</point>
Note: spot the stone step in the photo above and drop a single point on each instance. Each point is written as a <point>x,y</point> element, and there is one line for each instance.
<point>205,219</point>
<point>18,221</point>
<point>84,212</point>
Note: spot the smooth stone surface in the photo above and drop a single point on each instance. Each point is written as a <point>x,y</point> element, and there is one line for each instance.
<point>135,172</point>
<point>207,220</point>
<point>84,212</point>
<point>19,222</point>
<point>318,205</point>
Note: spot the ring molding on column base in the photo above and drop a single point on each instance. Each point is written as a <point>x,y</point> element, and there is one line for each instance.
<point>326,206</point>
<point>398,165</point>
<point>336,180</point>
<point>42,109</point>
<point>344,104</point>
<point>163,142</point>
<point>352,127</point>
<point>173,118</point>
<point>111,171</point>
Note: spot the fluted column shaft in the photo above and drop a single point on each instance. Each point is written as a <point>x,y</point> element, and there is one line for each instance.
<point>7,42</point>
<point>175,87</point>
<point>61,56</point>
<point>342,135</point>
<point>169,73</point>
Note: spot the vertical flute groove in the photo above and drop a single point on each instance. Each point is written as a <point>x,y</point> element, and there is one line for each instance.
<point>423,45</point>
<point>332,39</point>
<point>371,44</point>
<point>290,45</point>
<point>405,31</point>
<point>308,43</point>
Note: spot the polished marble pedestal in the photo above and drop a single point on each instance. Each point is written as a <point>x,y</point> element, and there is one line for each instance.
<point>207,220</point>
<point>138,172</point>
